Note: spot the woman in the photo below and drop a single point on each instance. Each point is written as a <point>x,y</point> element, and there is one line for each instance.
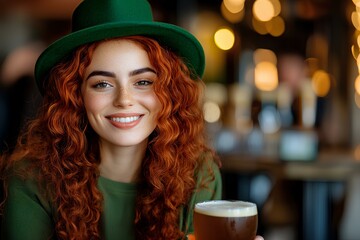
<point>117,151</point>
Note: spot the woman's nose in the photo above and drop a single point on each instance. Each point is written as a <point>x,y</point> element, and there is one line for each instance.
<point>124,98</point>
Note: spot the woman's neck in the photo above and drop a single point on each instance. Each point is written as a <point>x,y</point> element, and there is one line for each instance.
<point>121,164</point>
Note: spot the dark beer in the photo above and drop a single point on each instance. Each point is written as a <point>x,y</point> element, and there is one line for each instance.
<point>230,220</point>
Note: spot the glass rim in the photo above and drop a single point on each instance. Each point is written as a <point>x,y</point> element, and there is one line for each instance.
<point>226,208</point>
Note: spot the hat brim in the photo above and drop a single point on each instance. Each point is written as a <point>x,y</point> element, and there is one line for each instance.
<point>171,36</point>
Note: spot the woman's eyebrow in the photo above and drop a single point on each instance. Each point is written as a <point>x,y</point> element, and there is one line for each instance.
<point>141,70</point>
<point>101,73</point>
<point>111,74</point>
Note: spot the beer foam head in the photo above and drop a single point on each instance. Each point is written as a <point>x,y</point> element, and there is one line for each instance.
<point>223,208</point>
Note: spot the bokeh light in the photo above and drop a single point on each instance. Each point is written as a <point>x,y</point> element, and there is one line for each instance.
<point>357,85</point>
<point>234,6</point>
<point>357,99</point>
<point>356,2</point>
<point>263,10</point>
<point>277,7</point>
<point>357,153</point>
<point>212,112</point>
<point>259,26</point>
<point>266,76</point>
<point>231,16</point>
<point>264,55</point>
<point>276,26</point>
<point>321,83</point>
<point>355,19</point>
<point>224,38</point>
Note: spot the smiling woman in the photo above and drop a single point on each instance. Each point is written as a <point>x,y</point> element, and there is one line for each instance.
<point>118,94</point>
<point>128,159</point>
<point>118,149</point>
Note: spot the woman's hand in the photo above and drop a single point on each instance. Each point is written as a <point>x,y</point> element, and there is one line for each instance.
<point>259,238</point>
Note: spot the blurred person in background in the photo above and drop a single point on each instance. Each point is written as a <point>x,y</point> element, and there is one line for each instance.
<point>24,37</point>
<point>19,96</point>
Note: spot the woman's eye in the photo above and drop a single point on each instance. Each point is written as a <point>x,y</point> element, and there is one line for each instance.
<point>143,83</point>
<point>101,85</point>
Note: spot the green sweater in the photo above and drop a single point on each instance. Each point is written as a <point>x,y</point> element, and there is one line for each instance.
<point>28,215</point>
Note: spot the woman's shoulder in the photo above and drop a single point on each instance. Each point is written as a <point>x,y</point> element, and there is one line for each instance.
<point>22,180</point>
<point>23,175</point>
<point>208,187</point>
<point>209,166</point>
<point>208,175</point>
<point>21,169</point>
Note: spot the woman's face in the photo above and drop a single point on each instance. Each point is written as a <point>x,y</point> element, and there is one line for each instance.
<point>118,93</point>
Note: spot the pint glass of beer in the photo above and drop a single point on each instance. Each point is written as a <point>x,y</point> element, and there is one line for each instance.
<point>230,220</point>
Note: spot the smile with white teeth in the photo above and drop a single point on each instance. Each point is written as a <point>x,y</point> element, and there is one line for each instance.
<point>125,119</point>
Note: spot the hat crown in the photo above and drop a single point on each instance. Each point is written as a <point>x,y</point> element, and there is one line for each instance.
<point>96,12</point>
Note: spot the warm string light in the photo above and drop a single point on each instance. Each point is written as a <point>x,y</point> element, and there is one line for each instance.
<point>266,19</point>
<point>266,74</point>
<point>355,19</point>
<point>224,38</point>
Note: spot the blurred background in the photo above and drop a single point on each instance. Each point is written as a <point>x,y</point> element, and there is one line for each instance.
<point>281,105</point>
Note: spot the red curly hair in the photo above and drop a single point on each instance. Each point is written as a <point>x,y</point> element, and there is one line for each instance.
<point>64,149</point>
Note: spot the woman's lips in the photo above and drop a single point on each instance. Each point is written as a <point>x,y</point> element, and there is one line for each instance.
<point>125,121</point>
